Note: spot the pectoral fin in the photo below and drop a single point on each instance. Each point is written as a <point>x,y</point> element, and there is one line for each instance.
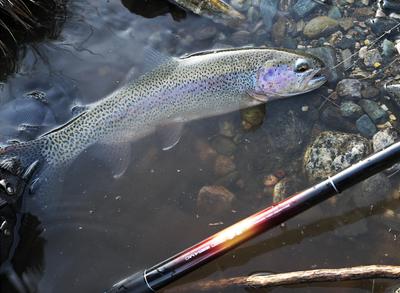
<point>259,97</point>
<point>170,134</point>
<point>116,156</point>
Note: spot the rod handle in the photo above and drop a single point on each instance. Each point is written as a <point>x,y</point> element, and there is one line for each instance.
<point>135,283</point>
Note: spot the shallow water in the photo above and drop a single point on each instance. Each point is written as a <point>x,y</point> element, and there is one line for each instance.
<point>98,229</point>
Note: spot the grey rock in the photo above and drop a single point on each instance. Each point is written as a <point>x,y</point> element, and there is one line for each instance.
<point>205,33</point>
<point>371,57</point>
<point>223,145</point>
<point>351,110</point>
<point>241,37</point>
<point>370,92</point>
<point>303,8</point>
<point>352,230</point>
<point>332,152</point>
<point>384,138</point>
<point>349,88</point>
<point>347,58</point>
<point>286,132</point>
<point>374,111</point>
<point>241,5</point>
<point>373,190</point>
<point>226,128</point>
<point>334,12</point>
<point>268,10</point>
<point>365,126</point>
<point>388,48</point>
<point>320,26</point>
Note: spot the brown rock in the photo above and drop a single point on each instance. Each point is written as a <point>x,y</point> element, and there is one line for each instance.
<point>214,200</point>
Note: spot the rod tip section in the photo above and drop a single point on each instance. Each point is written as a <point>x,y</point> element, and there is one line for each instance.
<point>135,283</point>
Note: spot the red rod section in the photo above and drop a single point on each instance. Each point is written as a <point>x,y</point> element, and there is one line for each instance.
<point>209,249</point>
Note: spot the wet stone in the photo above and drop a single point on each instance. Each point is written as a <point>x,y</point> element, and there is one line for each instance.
<point>241,38</point>
<point>349,88</point>
<point>320,26</point>
<point>388,48</point>
<point>332,152</point>
<point>214,200</point>
<point>384,138</point>
<point>223,145</point>
<point>372,57</point>
<point>374,111</point>
<point>365,126</point>
<point>303,8</point>
<point>226,128</point>
<point>351,110</point>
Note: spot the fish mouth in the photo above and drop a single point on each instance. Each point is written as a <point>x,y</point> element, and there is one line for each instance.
<point>317,78</point>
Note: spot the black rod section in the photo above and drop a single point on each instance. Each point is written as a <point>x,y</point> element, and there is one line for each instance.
<point>173,268</point>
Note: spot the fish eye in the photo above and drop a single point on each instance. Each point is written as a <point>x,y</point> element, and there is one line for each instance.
<point>301,65</point>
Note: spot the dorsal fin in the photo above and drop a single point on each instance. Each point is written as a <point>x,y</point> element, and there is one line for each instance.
<point>64,125</point>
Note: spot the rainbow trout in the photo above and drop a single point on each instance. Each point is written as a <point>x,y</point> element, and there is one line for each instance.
<point>177,91</point>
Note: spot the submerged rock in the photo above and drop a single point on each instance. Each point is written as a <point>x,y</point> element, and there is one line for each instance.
<point>214,200</point>
<point>268,10</point>
<point>351,110</point>
<point>384,138</point>
<point>365,126</point>
<point>223,145</point>
<point>372,58</point>
<point>224,165</point>
<point>328,55</point>
<point>253,116</point>
<point>285,188</point>
<point>303,8</point>
<point>332,117</point>
<point>319,26</point>
<point>374,111</point>
<point>349,88</point>
<point>332,152</point>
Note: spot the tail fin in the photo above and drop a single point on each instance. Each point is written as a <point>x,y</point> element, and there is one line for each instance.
<point>19,158</point>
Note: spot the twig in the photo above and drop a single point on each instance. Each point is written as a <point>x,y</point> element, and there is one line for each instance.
<point>292,278</point>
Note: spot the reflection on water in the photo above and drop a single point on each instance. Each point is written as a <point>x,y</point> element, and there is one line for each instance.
<point>97,229</point>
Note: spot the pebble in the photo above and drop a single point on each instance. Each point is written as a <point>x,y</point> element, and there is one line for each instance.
<point>226,128</point>
<point>349,88</point>
<point>224,165</point>
<point>332,152</point>
<point>365,126</point>
<point>372,57</point>
<point>320,26</point>
<point>351,110</point>
<point>374,111</point>
<point>205,151</point>
<point>214,200</point>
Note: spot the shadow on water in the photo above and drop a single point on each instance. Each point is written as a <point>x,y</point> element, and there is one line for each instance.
<point>154,8</point>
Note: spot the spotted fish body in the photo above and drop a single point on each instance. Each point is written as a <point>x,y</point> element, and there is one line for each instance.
<point>179,90</point>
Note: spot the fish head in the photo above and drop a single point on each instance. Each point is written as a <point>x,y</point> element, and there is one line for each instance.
<point>290,74</point>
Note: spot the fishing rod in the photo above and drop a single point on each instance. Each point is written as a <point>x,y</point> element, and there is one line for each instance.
<point>173,268</point>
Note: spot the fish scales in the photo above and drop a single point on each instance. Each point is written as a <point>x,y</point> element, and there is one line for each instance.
<point>177,91</point>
